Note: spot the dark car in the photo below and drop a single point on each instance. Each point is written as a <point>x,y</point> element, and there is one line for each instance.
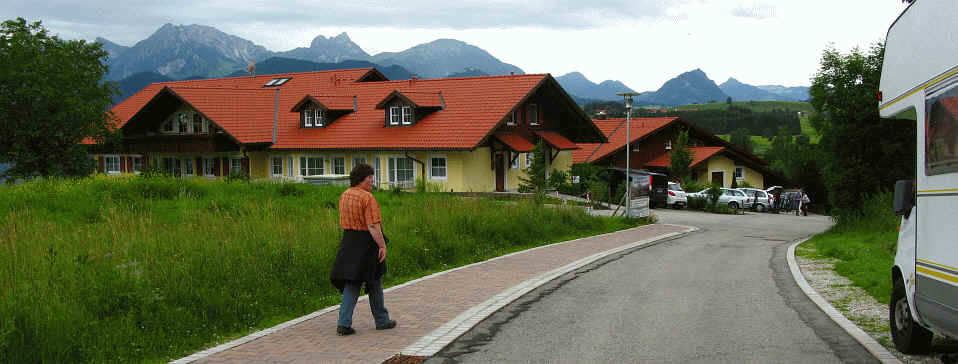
<point>644,183</point>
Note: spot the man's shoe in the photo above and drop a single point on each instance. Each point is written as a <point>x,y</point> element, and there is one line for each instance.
<point>345,331</point>
<point>386,326</point>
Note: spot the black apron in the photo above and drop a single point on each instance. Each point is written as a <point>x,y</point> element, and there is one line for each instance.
<point>357,261</point>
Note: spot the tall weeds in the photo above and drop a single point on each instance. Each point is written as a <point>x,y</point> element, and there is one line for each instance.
<point>127,269</point>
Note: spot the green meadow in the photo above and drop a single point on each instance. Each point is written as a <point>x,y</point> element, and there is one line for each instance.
<point>110,269</point>
<point>864,242</point>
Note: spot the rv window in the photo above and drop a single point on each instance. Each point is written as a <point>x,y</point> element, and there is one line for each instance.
<point>941,132</point>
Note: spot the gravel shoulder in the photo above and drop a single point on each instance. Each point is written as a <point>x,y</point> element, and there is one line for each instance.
<point>862,309</point>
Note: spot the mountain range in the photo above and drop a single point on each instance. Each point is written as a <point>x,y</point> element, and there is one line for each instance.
<point>176,52</point>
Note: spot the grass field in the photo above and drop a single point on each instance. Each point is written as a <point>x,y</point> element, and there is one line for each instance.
<point>864,243</point>
<point>761,143</point>
<point>146,270</point>
<point>753,105</point>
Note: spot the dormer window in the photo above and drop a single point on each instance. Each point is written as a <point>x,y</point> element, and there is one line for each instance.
<point>533,114</point>
<point>400,115</point>
<point>513,119</point>
<point>314,117</point>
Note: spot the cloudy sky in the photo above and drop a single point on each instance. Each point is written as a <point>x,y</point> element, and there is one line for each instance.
<point>642,43</point>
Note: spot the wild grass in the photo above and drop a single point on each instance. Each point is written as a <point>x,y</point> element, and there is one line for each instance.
<point>864,242</point>
<point>146,270</point>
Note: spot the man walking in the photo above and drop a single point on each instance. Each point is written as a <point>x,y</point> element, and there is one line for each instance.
<point>362,252</point>
<point>799,197</point>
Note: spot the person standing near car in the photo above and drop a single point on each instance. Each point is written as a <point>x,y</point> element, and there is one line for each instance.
<point>798,201</point>
<point>362,252</point>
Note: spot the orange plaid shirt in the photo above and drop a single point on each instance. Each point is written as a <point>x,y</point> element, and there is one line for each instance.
<point>358,209</point>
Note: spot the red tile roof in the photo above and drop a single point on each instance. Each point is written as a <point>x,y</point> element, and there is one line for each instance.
<point>474,106</point>
<point>556,140</point>
<point>699,155</point>
<point>615,130</point>
<point>515,142</point>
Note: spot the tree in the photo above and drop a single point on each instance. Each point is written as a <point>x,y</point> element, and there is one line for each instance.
<point>741,138</point>
<point>535,178</point>
<point>680,159</point>
<point>861,152</point>
<point>52,97</point>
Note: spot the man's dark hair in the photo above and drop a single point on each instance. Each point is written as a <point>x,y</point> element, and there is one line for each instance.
<point>359,173</point>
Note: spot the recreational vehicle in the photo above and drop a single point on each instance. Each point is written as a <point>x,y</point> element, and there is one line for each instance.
<point>919,83</point>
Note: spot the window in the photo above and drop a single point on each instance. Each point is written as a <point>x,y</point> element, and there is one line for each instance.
<point>739,173</point>
<point>319,117</point>
<point>168,125</point>
<point>668,144</point>
<point>236,165</point>
<point>376,170</point>
<point>289,164</point>
<point>514,160</point>
<point>184,123</point>
<point>137,164</point>
<point>197,123</point>
<point>358,160</point>
<point>187,166</point>
<point>941,132</point>
<point>206,126</point>
<point>308,117</point>
<point>208,167</point>
<point>310,166</point>
<point>395,115</point>
<point>277,82</point>
<point>111,164</point>
<point>401,171</point>
<point>172,166</point>
<point>400,115</point>
<point>406,115</point>
<point>533,115</point>
<point>339,165</point>
<point>437,168</point>
<point>529,158</point>
<point>277,166</point>
<point>513,118</point>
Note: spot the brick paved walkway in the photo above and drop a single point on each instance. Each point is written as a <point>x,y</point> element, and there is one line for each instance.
<point>423,306</point>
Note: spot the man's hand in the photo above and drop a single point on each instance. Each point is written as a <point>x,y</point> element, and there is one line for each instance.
<point>382,254</point>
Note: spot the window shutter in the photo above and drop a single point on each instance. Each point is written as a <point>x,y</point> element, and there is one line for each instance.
<point>246,165</point>
<point>200,168</point>
<point>101,164</point>
<point>302,120</point>
<point>216,166</point>
<point>129,164</point>
<point>122,164</point>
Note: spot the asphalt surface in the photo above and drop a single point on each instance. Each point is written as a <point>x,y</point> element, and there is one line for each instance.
<point>722,294</point>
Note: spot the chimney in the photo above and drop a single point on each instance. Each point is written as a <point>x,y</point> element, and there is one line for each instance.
<point>412,81</point>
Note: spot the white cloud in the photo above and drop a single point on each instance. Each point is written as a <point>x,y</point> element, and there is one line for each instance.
<point>757,11</point>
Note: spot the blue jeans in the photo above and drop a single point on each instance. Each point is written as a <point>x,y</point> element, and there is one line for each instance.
<point>376,305</point>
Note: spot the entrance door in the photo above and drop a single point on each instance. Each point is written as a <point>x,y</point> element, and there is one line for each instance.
<point>718,178</point>
<point>500,173</point>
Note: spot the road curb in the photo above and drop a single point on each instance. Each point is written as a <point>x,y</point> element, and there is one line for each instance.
<point>873,347</point>
<point>432,343</point>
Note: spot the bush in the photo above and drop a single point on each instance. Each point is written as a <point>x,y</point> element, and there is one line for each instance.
<point>238,176</point>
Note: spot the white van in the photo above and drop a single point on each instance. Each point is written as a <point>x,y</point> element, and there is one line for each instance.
<point>919,83</point>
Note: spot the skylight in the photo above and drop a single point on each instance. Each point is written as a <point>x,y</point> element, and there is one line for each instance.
<point>277,81</point>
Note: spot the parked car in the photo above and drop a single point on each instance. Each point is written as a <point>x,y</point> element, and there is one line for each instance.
<point>676,198</point>
<point>761,200</point>
<point>735,199</point>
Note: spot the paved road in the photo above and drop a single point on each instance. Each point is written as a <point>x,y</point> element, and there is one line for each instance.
<point>722,294</point>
